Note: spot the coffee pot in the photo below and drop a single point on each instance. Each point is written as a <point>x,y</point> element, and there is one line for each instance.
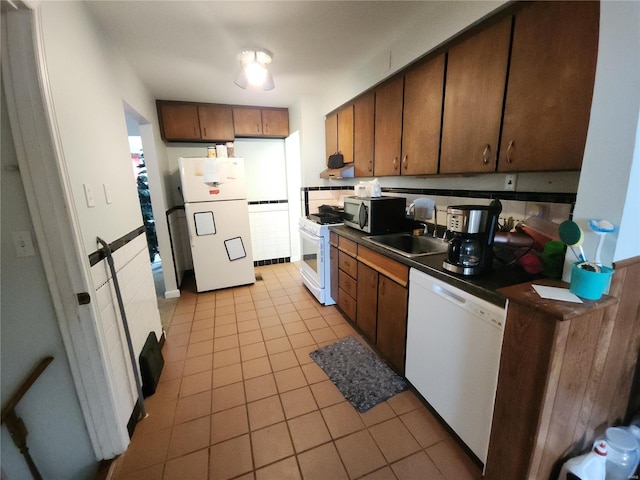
<point>473,227</point>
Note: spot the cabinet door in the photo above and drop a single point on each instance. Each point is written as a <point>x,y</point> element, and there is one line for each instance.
<point>275,122</point>
<point>388,127</point>
<point>333,272</point>
<point>367,296</point>
<point>331,134</point>
<point>345,133</point>
<point>423,90</point>
<point>392,322</point>
<point>363,118</point>
<point>247,122</point>
<point>179,121</point>
<point>474,92</point>
<point>216,122</point>
<point>551,76</point>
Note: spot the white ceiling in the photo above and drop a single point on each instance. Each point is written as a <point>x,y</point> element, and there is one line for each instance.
<point>186,50</point>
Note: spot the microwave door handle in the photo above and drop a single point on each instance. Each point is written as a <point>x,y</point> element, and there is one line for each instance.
<point>362,212</point>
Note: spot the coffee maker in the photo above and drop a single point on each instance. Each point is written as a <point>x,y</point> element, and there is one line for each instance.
<point>473,228</point>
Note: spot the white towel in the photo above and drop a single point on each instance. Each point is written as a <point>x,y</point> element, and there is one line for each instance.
<point>424,208</point>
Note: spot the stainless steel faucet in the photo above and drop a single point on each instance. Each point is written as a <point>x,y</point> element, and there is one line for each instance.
<point>411,211</point>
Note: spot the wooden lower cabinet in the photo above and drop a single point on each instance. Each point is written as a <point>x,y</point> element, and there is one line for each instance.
<point>392,321</point>
<point>368,301</point>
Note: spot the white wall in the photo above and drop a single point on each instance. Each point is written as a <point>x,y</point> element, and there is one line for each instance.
<point>30,333</point>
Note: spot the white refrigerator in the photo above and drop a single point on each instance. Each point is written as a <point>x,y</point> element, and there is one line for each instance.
<point>215,197</point>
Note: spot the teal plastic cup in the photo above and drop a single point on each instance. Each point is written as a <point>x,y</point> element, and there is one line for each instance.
<point>587,284</point>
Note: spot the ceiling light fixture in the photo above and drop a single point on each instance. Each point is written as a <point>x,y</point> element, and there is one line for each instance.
<point>255,69</point>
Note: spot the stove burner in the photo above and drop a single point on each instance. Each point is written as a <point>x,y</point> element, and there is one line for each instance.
<point>325,218</point>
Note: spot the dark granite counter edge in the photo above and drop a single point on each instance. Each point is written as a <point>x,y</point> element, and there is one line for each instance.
<point>485,286</point>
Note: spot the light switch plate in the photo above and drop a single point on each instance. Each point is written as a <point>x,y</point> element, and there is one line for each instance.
<point>510,182</point>
<point>88,195</point>
<point>107,193</point>
<point>23,244</point>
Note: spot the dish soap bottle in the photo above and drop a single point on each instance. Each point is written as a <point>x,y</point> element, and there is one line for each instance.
<point>590,466</point>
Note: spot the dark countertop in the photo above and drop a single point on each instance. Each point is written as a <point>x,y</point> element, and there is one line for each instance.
<point>483,286</point>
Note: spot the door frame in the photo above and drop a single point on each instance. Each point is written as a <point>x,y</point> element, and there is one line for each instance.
<point>43,170</point>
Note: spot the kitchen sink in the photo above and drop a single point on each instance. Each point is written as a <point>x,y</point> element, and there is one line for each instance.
<point>409,245</point>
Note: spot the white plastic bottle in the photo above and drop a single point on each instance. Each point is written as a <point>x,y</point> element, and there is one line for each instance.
<point>590,466</point>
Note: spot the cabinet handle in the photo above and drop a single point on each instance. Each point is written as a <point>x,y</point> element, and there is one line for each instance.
<point>266,128</point>
<point>395,163</point>
<point>510,151</point>
<point>370,165</point>
<point>205,131</point>
<point>486,154</point>
<point>404,162</point>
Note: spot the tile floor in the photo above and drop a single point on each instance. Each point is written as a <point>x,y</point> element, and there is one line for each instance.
<point>240,398</point>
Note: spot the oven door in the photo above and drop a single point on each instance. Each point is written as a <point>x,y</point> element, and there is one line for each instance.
<point>312,259</point>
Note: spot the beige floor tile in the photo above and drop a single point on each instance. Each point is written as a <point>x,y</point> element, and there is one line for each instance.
<point>167,391</point>
<point>256,367</point>
<point>202,324</point>
<point>271,444</point>
<point>194,466</point>
<point>295,327</point>
<point>308,431</point>
<point>260,387</point>
<point>277,331</point>
<point>227,397</point>
<point>246,316</point>
<point>227,375</point>
<point>424,426</point>
<point>453,462</point>
<point>283,360</point>
<point>326,393</point>
<point>251,337</point>
<point>172,370</point>
<point>300,340</point>
<point>198,364</point>
<point>323,335</point>
<point>263,303</point>
<point>196,383</point>
<point>286,469</point>
<point>229,424</point>
<point>225,358</point>
<point>404,402</point>
<point>278,345</point>
<point>290,317</point>
<point>377,414</point>
<point>322,463</point>
<point>230,459</point>
<point>201,335</point>
<point>225,343</point>
<point>248,325</point>
<point>225,330</point>
<point>182,318</point>
<point>283,305</point>
<point>342,419</point>
<point>189,437</point>
<point>284,300</point>
<point>333,318</point>
<point>418,465</point>
<point>360,454</point>
<point>192,407</point>
<point>265,412</point>
<point>315,323</point>
<point>270,321</point>
<point>394,439</point>
<point>385,473</point>
<point>262,295</point>
<point>344,330</point>
<point>253,350</point>
<point>225,310</point>
<point>313,373</point>
<point>298,402</point>
<point>178,328</point>
<point>205,314</point>
<point>146,450</point>
<point>290,379</point>
<point>308,313</point>
<point>245,306</point>
<point>161,415</point>
<point>303,354</point>
<point>266,312</point>
<point>172,353</point>
<point>200,348</point>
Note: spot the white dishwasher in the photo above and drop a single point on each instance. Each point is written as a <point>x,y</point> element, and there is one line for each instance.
<point>453,356</point>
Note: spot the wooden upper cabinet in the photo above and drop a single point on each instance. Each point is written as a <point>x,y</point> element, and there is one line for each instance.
<point>551,77</point>
<point>345,133</point>
<point>475,85</point>
<point>331,134</point>
<point>216,122</point>
<point>275,122</point>
<point>178,121</point>
<point>363,139</point>
<point>423,93</point>
<point>247,121</point>
<point>388,127</point>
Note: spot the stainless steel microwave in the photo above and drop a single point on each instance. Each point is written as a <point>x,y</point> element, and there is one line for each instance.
<point>375,214</point>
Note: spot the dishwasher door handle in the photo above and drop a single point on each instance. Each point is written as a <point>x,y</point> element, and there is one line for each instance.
<point>448,295</point>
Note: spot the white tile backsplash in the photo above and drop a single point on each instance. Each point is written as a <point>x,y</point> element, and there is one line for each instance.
<point>269,231</point>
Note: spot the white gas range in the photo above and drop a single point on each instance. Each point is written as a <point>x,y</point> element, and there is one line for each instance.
<point>314,248</point>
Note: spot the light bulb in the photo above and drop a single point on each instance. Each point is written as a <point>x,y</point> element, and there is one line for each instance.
<point>256,73</point>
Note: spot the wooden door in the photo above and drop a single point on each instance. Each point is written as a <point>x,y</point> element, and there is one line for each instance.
<point>275,122</point>
<point>216,122</point>
<point>331,135</point>
<point>423,94</point>
<point>247,122</point>
<point>367,295</point>
<point>363,120</point>
<point>178,121</point>
<point>345,133</point>
<point>475,84</point>
<point>388,127</point>
<point>392,322</point>
<point>551,76</point>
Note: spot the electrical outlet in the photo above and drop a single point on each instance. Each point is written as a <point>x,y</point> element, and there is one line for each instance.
<point>510,182</point>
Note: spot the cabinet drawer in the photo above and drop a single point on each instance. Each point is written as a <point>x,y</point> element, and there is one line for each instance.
<point>347,283</point>
<point>334,239</point>
<point>396,271</point>
<point>348,246</point>
<point>348,263</point>
<point>347,304</point>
